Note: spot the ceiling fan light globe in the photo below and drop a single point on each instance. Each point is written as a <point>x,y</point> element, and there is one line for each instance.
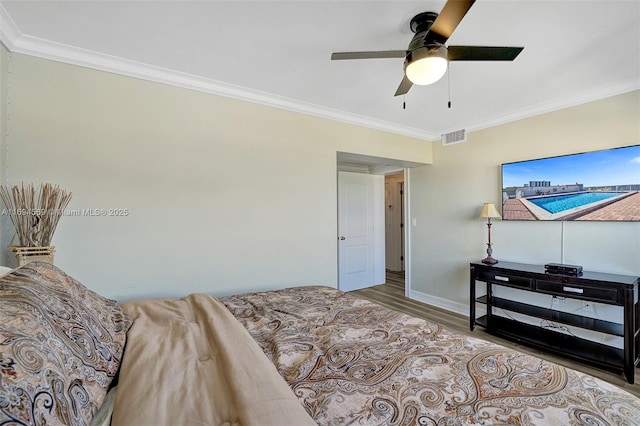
<point>426,71</point>
<point>426,65</point>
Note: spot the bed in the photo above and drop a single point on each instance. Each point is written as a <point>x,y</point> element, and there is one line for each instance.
<point>297,356</point>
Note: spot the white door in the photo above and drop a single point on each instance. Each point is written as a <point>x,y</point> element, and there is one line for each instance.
<point>360,230</point>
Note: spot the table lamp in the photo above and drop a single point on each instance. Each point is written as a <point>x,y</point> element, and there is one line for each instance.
<point>489,211</point>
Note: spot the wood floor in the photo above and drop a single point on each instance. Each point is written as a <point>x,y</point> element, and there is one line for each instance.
<point>391,295</point>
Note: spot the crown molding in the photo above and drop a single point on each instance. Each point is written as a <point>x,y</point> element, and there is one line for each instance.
<point>17,42</point>
<point>8,29</point>
<point>584,97</point>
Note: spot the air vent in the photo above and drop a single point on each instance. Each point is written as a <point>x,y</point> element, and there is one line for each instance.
<point>454,137</point>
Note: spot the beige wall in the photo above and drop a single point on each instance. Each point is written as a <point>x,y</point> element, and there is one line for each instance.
<point>223,196</point>
<point>226,196</point>
<point>447,198</point>
<point>4,84</point>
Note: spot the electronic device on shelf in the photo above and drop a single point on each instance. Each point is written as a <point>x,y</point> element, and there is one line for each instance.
<point>563,269</point>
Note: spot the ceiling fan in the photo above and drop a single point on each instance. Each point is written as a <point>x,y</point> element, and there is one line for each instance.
<point>427,58</point>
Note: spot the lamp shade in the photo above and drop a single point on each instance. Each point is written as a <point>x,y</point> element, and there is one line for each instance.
<point>426,65</point>
<point>489,210</point>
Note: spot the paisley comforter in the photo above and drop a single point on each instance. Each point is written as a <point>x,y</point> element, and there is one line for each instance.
<point>350,361</point>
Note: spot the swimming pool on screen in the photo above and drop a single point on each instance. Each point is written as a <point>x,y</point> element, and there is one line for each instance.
<point>560,203</point>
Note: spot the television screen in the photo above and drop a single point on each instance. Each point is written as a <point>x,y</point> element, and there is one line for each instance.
<point>598,185</point>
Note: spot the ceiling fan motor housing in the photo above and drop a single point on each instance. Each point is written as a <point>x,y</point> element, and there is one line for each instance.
<point>426,51</point>
<point>420,25</point>
<point>423,46</point>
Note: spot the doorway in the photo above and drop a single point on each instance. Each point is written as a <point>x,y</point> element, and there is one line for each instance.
<point>400,172</point>
<point>395,230</point>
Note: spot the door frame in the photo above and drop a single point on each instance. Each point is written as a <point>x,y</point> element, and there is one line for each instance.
<point>409,224</point>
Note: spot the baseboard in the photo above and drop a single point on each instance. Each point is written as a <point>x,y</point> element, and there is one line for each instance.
<point>439,302</point>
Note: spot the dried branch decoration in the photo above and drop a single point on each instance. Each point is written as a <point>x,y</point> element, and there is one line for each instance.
<point>35,213</point>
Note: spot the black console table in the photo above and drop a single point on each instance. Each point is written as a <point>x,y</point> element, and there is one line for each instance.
<point>612,289</point>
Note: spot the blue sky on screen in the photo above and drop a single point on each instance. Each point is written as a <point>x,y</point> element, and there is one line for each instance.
<point>620,166</point>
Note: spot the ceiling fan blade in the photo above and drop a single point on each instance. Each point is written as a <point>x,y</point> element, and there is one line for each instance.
<point>380,54</point>
<point>404,87</point>
<point>449,18</point>
<point>483,53</point>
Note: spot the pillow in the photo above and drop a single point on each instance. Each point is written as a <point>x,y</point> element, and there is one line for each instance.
<point>60,347</point>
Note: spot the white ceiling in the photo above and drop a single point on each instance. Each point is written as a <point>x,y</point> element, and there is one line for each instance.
<point>277,53</point>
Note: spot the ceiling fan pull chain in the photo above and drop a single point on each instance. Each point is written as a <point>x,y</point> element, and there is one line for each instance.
<point>404,102</point>
<point>449,84</point>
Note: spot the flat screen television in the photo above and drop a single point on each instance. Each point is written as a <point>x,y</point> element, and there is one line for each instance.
<point>598,185</point>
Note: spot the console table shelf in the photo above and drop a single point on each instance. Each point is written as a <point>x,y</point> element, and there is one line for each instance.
<point>611,289</point>
<point>589,323</point>
<point>552,341</point>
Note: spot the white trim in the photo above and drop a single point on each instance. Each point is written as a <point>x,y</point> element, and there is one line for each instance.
<point>17,42</point>
<point>8,29</point>
<point>379,258</point>
<point>584,97</point>
<point>355,168</point>
<point>407,233</point>
<point>446,304</point>
<point>34,46</point>
<point>439,302</point>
